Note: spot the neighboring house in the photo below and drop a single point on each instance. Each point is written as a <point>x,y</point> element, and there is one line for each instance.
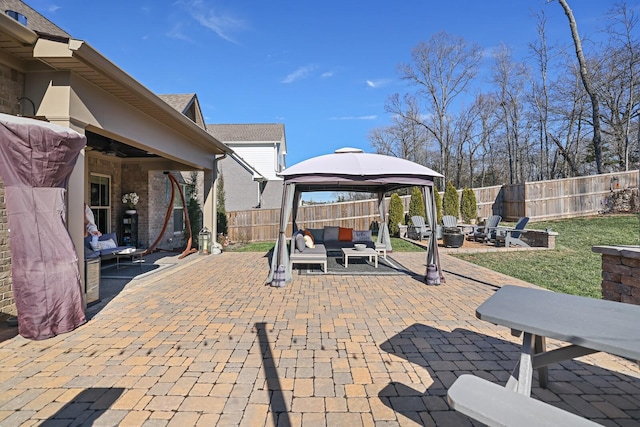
<point>133,136</point>
<point>250,175</point>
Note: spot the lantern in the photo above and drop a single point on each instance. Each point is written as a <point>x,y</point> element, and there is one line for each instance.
<point>204,241</point>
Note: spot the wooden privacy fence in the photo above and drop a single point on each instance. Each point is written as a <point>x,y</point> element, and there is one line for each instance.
<point>540,200</point>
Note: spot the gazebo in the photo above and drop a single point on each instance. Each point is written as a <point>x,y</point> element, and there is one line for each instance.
<point>350,169</point>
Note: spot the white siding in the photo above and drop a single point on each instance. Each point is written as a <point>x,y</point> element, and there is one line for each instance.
<point>262,157</point>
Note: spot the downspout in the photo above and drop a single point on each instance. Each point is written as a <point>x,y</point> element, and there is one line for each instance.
<point>214,225</point>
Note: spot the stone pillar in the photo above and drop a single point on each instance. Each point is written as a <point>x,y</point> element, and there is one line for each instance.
<point>620,273</point>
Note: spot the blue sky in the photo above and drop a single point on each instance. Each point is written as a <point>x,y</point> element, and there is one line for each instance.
<point>324,69</point>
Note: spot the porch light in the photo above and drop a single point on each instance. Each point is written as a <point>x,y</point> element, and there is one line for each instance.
<point>204,241</point>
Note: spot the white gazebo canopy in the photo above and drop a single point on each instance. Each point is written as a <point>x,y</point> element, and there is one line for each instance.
<point>350,169</point>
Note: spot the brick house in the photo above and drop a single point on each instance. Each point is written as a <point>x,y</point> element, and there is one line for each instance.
<point>133,135</point>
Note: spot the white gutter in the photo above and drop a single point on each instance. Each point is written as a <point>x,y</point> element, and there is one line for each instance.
<point>83,52</point>
<point>17,30</point>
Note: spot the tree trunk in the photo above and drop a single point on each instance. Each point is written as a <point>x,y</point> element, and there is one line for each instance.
<point>595,107</point>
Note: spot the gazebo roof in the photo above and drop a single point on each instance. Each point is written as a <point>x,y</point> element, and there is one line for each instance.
<point>350,169</point>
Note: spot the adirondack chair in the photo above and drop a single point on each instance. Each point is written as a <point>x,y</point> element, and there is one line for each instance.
<point>511,236</point>
<point>449,221</point>
<point>419,229</point>
<point>488,232</point>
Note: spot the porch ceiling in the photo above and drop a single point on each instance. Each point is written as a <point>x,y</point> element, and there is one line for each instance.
<point>25,50</point>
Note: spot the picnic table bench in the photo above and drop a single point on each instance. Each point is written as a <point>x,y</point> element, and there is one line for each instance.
<point>495,405</point>
<point>588,325</point>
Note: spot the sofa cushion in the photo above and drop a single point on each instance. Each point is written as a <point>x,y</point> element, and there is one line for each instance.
<point>299,240</point>
<point>317,234</point>
<point>362,235</point>
<point>345,234</point>
<point>331,233</point>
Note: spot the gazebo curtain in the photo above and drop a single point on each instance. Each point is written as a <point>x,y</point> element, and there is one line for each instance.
<point>383,232</point>
<point>280,272</point>
<point>433,258</point>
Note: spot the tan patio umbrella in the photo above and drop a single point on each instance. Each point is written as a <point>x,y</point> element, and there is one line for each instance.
<point>36,159</point>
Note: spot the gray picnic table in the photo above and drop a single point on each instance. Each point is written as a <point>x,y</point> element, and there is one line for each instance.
<point>589,326</point>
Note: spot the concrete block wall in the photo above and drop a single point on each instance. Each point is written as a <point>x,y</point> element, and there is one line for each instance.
<point>540,238</point>
<point>620,273</point>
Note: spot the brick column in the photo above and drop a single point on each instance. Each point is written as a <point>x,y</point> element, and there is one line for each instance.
<point>620,273</point>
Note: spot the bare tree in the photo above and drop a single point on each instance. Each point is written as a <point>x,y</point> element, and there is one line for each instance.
<point>568,105</point>
<point>406,137</point>
<point>620,78</point>
<point>509,77</point>
<point>540,95</point>
<point>442,69</point>
<point>586,81</point>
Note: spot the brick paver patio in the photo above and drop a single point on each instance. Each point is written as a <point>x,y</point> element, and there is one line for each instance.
<point>205,343</point>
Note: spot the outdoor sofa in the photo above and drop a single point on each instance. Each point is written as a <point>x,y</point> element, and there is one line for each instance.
<point>320,241</point>
<point>107,247</point>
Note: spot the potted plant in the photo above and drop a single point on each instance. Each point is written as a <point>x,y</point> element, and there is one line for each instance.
<point>452,237</point>
<point>131,200</point>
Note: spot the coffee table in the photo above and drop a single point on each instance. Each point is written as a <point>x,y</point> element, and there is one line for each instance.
<point>366,252</point>
<point>134,255</point>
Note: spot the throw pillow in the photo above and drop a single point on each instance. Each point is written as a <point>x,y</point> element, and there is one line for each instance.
<point>106,244</point>
<point>308,234</point>
<point>308,241</point>
<point>345,234</point>
<point>362,236</point>
<point>300,242</point>
<point>331,233</point>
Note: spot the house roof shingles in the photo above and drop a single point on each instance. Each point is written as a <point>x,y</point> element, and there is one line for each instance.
<point>258,132</point>
<point>178,101</point>
<point>35,21</point>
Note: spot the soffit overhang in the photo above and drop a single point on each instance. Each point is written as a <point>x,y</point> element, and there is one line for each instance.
<point>80,58</point>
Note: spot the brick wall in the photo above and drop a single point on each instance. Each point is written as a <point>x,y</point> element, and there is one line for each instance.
<point>11,88</point>
<point>620,273</point>
<point>11,85</point>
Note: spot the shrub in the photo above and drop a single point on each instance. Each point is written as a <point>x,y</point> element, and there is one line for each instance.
<point>416,204</point>
<point>221,212</point>
<point>436,194</point>
<point>396,214</point>
<point>468,205</point>
<point>450,203</point>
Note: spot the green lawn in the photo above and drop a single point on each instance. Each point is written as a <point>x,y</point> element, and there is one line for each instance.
<point>571,268</point>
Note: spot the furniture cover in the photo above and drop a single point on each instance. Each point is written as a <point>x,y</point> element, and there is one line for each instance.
<point>36,159</point>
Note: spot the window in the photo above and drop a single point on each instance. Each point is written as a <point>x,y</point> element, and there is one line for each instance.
<point>100,203</point>
<point>178,210</point>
